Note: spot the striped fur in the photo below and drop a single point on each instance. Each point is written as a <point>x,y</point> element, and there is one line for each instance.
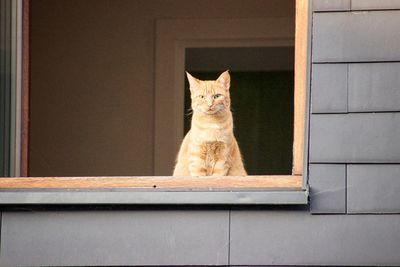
<point>210,148</point>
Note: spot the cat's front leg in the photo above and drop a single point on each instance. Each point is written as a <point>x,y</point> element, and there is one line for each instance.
<point>221,168</point>
<point>197,167</point>
<point>220,159</point>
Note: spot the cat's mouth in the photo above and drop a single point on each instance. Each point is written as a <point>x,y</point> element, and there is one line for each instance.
<point>212,110</point>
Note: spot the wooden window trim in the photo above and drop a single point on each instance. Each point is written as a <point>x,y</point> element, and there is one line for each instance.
<point>161,182</point>
<point>25,88</point>
<point>300,83</point>
<point>281,182</point>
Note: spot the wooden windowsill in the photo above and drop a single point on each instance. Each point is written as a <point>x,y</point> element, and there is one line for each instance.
<point>167,190</point>
<point>151,182</point>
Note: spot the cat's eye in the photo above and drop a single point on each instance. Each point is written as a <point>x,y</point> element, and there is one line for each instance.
<point>216,96</point>
<point>200,96</point>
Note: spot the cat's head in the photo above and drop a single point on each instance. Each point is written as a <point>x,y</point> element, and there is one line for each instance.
<point>210,97</point>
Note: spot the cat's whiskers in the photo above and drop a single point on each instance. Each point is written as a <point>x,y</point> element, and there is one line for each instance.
<point>189,112</point>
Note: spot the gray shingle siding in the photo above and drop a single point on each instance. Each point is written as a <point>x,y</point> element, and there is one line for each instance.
<point>329,5</point>
<point>374,87</point>
<point>374,4</point>
<point>355,138</point>
<point>355,87</point>
<point>355,92</point>
<point>297,238</point>
<point>328,188</point>
<point>329,88</point>
<point>115,238</point>
<point>356,36</point>
<point>373,188</point>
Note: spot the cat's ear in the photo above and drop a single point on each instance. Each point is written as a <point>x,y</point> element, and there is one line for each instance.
<point>225,80</point>
<point>193,82</point>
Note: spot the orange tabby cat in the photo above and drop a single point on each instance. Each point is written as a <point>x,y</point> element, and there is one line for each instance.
<point>210,148</point>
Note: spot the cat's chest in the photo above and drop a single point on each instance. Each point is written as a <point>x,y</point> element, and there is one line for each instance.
<point>215,126</point>
<point>212,133</point>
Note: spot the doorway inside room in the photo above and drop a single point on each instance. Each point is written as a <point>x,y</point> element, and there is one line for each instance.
<point>262,101</point>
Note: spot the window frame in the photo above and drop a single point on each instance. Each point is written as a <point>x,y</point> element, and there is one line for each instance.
<point>276,189</point>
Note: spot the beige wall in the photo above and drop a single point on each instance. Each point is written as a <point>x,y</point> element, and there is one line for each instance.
<point>92,79</point>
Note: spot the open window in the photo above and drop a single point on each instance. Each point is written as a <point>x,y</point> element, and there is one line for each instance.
<point>177,42</point>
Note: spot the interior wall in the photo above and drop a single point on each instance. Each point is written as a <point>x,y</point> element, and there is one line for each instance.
<point>92,79</point>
